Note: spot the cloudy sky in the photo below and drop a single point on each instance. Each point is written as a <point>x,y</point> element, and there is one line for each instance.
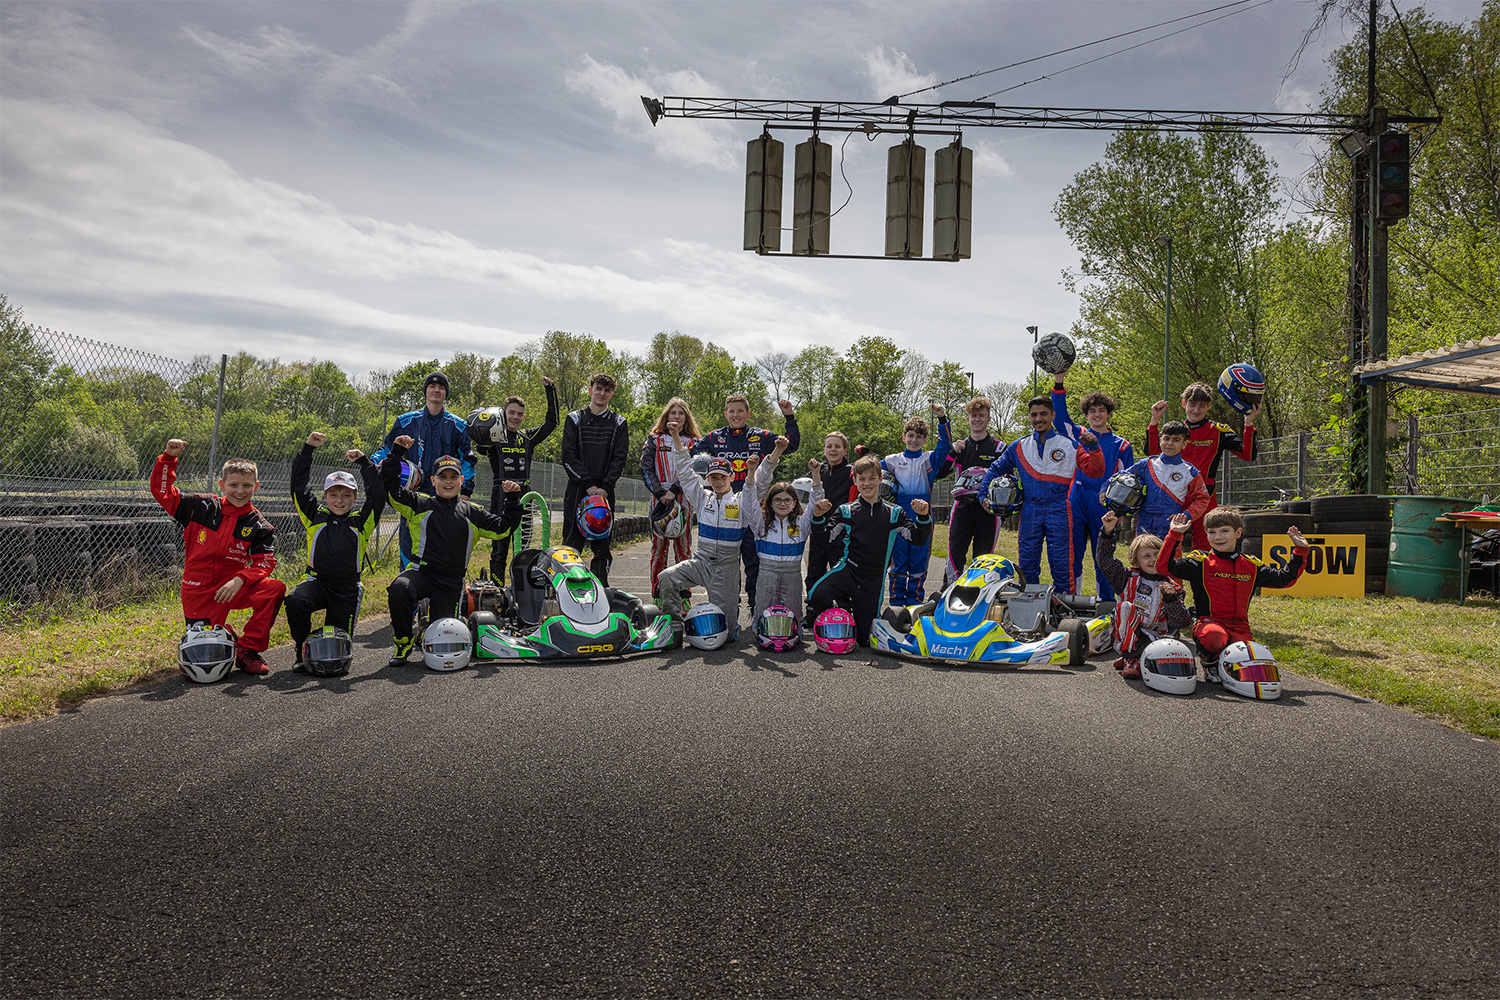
<point>379,182</point>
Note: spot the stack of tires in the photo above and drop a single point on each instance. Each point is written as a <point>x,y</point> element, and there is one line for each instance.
<point>114,546</point>
<point>1360,514</point>
<point>1290,514</point>
<point>159,540</point>
<point>18,570</point>
<point>64,557</point>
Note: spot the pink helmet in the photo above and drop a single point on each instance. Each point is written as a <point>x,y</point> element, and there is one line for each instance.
<point>777,629</point>
<point>834,631</point>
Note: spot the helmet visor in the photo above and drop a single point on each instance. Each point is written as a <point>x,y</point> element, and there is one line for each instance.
<point>446,646</point>
<point>1174,666</point>
<point>836,630</point>
<point>778,627</point>
<point>1255,670</point>
<point>327,648</point>
<point>1123,495</point>
<point>707,625</point>
<point>206,653</point>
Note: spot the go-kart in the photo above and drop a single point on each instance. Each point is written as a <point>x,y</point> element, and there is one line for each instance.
<point>988,616</point>
<point>555,609</point>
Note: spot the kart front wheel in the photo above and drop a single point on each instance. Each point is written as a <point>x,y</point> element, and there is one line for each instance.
<point>1078,639</point>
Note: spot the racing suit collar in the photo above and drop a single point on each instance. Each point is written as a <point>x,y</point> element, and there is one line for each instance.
<point>1194,425</point>
<point>911,454</point>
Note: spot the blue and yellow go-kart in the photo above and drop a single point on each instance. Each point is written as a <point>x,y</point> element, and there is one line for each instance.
<point>989,618</point>
<point>555,609</point>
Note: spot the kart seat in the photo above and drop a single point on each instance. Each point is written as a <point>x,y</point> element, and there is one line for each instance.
<point>528,585</point>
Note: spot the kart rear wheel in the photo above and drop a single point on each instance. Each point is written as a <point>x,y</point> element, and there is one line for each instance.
<point>898,619</point>
<point>477,619</point>
<point>1078,639</point>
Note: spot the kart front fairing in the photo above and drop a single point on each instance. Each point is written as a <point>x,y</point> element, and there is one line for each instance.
<point>576,617</point>
<point>965,623</point>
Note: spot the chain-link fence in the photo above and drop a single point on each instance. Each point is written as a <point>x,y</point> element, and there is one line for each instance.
<point>1447,454</point>
<point>87,421</point>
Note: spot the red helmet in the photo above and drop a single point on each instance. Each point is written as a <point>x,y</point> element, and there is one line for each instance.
<point>594,518</point>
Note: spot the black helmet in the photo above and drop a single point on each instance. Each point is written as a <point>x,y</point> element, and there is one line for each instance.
<point>1054,353</point>
<point>486,426</point>
<point>888,485</point>
<point>327,652</point>
<point>1124,494</point>
<point>1005,495</point>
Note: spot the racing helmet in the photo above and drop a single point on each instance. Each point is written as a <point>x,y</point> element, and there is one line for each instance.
<point>700,465</point>
<point>328,652</point>
<point>888,485</point>
<point>671,524</point>
<point>1124,494</point>
<point>777,629</point>
<point>206,653</point>
<point>447,645</point>
<point>1242,386</point>
<point>803,487</point>
<point>411,474</point>
<point>1054,353</point>
<point>1249,669</point>
<point>834,631</point>
<point>594,518</point>
<point>966,483</point>
<point>486,426</point>
<point>705,626</point>
<point>1005,495</point>
<point>1167,665</point>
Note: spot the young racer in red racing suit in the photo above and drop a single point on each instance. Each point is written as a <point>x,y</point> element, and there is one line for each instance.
<point>661,481</point>
<point>1150,604</point>
<point>230,553</point>
<point>1208,441</point>
<point>1224,579</point>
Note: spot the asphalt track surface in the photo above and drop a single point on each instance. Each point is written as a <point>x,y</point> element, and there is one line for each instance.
<point>731,824</point>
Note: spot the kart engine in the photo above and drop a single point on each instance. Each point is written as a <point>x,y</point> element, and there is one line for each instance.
<point>484,595</point>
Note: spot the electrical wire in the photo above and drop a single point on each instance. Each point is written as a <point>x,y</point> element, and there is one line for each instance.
<point>1074,48</point>
<point>1087,62</point>
<point>845,177</point>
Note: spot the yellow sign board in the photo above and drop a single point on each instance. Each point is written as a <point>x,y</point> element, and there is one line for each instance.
<point>1334,566</point>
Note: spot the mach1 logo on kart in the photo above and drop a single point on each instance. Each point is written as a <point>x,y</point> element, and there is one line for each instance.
<point>596,649</point>
<point>950,650</point>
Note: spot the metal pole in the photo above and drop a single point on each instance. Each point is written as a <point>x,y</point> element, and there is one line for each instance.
<point>1302,464</point>
<point>1412,430</point>
<point>1033,331</point>
<point>213,442</point>
<point>1377,284</point>
<point>1166,356</point>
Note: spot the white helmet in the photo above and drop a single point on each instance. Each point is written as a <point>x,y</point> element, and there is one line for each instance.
<point>804,489</point>
<point>1167,665</point>
<point>206,653</point>
<point>706,626</point>
<point>446,645</point>
<point>1249,669</point>
<point>671,524</point>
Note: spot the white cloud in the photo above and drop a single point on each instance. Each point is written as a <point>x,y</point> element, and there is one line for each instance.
<point>894,73</point>
<point>989,163</point>
<point>709,143</point>
<point>273,53</point>
<point>100,208</point>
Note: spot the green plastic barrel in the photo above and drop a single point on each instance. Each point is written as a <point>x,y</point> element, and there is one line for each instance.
<point>1429,560</point>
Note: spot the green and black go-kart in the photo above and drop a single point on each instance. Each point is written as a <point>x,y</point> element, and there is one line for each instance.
<point>554,608</point>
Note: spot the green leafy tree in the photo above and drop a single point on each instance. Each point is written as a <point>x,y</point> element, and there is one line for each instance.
<point>868,424</point>
<point>26,364</point>
<point>669,365</point>
<point>870,371</point>
<point>948,385</point>
<point>809,375</point>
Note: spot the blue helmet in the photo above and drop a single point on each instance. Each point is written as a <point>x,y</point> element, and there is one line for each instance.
<point>1242,386</point>
<point>594,518</point>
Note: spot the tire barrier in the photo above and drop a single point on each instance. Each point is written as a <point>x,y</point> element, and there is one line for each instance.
<point>64,560</point>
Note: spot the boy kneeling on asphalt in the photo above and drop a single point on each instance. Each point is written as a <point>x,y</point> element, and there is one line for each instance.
<point>336,539</point>
<point>230,553</point>
<point>443,528</point>
<point>1224,579</point>
<point>861,532</point>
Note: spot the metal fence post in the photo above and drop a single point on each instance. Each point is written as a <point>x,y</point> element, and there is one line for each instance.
<point>213,442</point>
<point>1411,454</point>
<point>1226,482</point>
<point>1302,464</point>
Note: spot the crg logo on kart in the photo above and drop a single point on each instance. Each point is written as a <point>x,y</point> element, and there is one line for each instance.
<point>596,649</point>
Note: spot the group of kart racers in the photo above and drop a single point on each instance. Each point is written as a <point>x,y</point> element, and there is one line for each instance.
<point>723,521</point>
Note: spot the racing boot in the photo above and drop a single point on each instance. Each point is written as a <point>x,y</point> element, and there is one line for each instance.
<point>403,650</point>
<point>1132,668</point>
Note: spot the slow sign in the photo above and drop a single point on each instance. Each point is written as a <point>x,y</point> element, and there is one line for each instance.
<point>1335,565</point>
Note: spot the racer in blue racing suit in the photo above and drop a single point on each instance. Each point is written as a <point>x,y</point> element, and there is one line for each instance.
<point>435,432</point>
<point>1088,512</point>
<point>915,472</point>
<point>1046,460</point>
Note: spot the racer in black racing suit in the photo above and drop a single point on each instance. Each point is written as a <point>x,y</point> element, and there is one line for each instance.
<point>511,459</point>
